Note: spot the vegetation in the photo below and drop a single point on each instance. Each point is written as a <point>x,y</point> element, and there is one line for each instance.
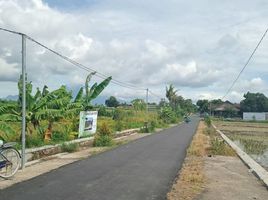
<point>207,120</point>
<point>254,102</point>
<point>203,105</point>
<point>53,116</point>
<point>103,137</point>
<point>112,102</point>
<point>70,148</point>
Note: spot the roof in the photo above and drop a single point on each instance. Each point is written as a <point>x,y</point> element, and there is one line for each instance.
<point>227,106</point>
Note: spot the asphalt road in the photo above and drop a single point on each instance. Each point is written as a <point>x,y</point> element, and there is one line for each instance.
<point>142,169</point>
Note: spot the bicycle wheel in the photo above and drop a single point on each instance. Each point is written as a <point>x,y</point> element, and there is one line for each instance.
<point>10,160</point>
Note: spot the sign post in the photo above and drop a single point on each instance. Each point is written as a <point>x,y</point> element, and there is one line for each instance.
<point>87,123</point>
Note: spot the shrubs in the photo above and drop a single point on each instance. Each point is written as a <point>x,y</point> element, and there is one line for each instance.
<point>118,125</point>
<point>58,136</point>
<point>148,127</point>
<point>34,140</point>
<point>103,137</point>
<point>207,121</point>
<point>219,147</point>
<point>167,115</point>
<point>72,147</point>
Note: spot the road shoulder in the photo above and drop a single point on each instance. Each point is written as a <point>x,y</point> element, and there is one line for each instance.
<point>211,173</point>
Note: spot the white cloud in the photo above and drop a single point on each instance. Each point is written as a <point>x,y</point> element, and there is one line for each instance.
<point>8,72</point>
<point>198,46</point>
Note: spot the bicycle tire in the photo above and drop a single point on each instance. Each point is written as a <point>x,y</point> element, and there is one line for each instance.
<point>12,156</point>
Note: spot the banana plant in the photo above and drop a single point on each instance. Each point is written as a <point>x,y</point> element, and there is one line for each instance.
<point>40,106</point>
<point>83,102</point>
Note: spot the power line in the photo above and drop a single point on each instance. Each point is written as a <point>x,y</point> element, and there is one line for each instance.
<point>152,93</point>
<point>81,66</point>
<point>98,74</point>
<point>250,57</point>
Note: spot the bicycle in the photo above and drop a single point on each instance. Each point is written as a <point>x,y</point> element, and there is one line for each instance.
<point>9,159</point>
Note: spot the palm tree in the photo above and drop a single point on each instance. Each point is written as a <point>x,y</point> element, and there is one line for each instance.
<point>172,96</point>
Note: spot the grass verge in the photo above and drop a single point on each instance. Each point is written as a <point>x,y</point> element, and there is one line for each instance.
<point>191,179</point>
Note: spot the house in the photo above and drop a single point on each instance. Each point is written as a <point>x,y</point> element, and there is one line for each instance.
<point>225,109</point>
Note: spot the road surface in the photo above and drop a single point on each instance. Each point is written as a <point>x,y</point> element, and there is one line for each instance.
<point>140,170</point>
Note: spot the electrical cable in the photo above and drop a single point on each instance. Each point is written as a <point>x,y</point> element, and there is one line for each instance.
<point>250,57</point>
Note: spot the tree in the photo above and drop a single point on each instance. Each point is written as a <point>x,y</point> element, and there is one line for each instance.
<point>138,104</point>
<point>171,95</point>
<point>82,102</point>
<point>203,105</point>
<point>40,106</point>
<point>112,102</point>
<point>254,102</point>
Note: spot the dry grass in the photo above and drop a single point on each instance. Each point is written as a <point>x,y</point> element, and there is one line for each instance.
<point>199,143</point>
<point>242,127</point>
<point>190,181</point>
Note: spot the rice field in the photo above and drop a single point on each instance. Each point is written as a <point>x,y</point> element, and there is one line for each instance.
<point>251,137</point>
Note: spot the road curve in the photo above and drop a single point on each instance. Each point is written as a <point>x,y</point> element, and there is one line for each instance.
<point>140,170</point>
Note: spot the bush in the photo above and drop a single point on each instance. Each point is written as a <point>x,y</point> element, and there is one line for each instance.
<point>219,147</point>
<point>103,137</point>
<point>7,133</point>
<point>148,127</point>
<point>118,114</point>
<point>118,125</point>
<point>72,147</point>
<point>102,140</point>
<point>207,121</point>
<point>34,140</point>
<point>58,136</point>
<point>167,115</point>
<point>104,112</point>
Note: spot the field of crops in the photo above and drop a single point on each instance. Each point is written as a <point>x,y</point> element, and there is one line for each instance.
<point>252,137</point>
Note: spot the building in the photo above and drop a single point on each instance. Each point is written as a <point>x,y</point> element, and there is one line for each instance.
<point>226,109</point>
<point>258,116</point>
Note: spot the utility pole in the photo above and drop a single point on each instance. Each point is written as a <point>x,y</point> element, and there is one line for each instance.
<point>147,94</point>
<point>23,124</point>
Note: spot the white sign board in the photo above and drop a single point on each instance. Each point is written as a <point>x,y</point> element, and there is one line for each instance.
<point>87,123</point>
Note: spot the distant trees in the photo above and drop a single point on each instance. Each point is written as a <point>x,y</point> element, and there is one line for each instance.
<point>112,102</point>
<point>254,102</point>
<point>177,102</point>
<point>203,105</point>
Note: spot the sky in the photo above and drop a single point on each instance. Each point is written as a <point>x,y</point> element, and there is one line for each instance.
<point>198,46</point>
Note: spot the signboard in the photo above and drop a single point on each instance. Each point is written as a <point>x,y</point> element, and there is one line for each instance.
<point>87,123</point>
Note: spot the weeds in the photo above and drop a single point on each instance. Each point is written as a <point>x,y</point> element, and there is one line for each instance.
<point>207,120</point>
<point>219,147</point>
<point>103,137</point>
<point>71,147</point>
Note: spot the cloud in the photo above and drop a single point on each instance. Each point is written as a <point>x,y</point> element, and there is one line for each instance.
<point>8,72</point>
<point>188,75</point>
<point>198,46</point>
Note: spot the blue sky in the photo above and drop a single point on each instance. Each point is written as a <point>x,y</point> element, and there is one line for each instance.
<point>199,46</point>
<point>71,4</point>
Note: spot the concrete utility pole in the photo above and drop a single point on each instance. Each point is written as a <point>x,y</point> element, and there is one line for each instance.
<point>147,94</point>
<point>23,124</point>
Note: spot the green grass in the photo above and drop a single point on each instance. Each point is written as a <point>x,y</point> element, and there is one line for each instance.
<point>72,147</point>
<point>252,144</point>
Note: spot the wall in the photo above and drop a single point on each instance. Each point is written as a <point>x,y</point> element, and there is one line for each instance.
<point>258,116</point>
